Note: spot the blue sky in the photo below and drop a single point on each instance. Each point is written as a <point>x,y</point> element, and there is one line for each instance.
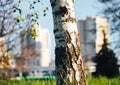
<point>83,9</point>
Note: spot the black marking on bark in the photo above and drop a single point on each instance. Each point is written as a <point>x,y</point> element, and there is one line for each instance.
<point>61,40</point>
<point>58,36</point>
<point>53,3</point>
<point>60,64</point>
<point>66,20</point>
<point>62,11</point>
<point>60,53</point>
<point>55,30</point>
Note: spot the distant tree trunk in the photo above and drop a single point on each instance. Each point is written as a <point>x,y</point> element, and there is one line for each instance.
<point>68,60</point>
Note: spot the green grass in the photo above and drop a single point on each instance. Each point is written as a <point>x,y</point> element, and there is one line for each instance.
<point>28,82</point>
<point>103,81</point>
<point>90,81</point>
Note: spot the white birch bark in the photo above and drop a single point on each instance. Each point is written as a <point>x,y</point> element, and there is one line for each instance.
<point>69,64</point>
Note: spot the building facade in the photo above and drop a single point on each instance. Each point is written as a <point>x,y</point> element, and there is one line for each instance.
<point>43,40</point>
<point>91,30</point>
<point>34,53</point>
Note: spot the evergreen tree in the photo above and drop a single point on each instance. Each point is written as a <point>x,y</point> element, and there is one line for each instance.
<point>106,62</point>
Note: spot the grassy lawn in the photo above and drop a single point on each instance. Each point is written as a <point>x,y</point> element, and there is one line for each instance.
<point>103,81</point>
<point>29,82</point>
<point>90,81</point>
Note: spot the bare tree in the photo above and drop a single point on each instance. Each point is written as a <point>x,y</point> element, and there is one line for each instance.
<point>11,24</point>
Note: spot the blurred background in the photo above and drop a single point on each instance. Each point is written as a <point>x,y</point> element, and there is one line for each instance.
<point>27,41</point>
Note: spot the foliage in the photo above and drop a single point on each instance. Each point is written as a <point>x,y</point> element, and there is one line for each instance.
<point>5,56</point>
<point>33,32</point>
<point>106,62</point>
<point>33,15</point>
<point>5,59</point>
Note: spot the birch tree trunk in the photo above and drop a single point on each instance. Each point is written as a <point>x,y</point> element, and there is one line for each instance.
<point>68,59</point>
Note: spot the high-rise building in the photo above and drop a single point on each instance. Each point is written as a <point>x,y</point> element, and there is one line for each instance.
<point>36,53</point>
<point>91,34</point>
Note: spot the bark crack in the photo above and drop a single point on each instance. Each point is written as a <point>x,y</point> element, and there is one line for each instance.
<point>75,63</point>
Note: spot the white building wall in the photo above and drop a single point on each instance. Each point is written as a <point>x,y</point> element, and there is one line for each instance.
<point>43,46</point>
<point>45,50</point>
<point>101,25</point>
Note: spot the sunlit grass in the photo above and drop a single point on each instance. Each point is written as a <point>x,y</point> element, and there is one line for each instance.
<point>103,81</point>
<point>28,82</point>
<point>90,81</point>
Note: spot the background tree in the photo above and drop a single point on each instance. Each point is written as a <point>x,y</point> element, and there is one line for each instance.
<point>112,12</point>
<point>8,26</point>
<point>68,57</point>
<point>4,55</point>
<point>8,37</point>
<point>11,24</point>
<point>106,62</point>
